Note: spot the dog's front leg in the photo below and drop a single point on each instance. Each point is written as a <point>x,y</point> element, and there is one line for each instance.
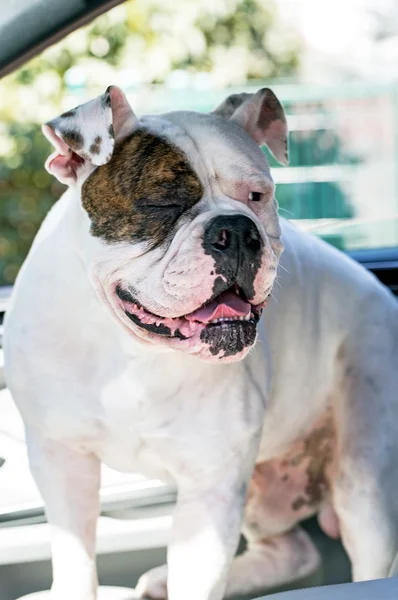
<point>69,483</point>
<point>205,535</point>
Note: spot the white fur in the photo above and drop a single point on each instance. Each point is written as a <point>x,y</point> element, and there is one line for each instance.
<point>89,391</point>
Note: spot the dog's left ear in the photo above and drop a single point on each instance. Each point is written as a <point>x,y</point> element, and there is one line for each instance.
<point>262,116</point>
<point>85,136</point>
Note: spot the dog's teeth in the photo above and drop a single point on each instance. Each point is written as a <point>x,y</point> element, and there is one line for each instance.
<point>231,319</point>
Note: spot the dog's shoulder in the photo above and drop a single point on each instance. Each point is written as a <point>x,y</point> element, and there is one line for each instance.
<point>47,296</point>
<point>309,258</point>
<point>318,283</point>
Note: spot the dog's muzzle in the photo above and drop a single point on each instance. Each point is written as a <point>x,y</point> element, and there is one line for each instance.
<point>236,246</point>
<point>226,322</point>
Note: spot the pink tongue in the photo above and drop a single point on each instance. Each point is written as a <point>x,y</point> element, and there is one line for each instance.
<point>226,304</point>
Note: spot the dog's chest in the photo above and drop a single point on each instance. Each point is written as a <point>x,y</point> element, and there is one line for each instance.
<point>132,409</point>
<point>163,416</point>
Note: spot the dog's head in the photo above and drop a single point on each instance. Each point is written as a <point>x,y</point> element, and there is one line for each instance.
<point>182,238</point>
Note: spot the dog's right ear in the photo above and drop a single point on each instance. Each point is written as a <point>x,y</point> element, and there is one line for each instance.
<point>263,118</point>
<point>85,136</point>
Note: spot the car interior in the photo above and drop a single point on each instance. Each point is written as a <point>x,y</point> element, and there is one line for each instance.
<point>136,513</point>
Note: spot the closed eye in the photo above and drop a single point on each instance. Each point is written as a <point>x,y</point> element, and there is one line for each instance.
<point>176,209</point>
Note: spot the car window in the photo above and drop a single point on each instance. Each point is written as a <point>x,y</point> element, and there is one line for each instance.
<point>341,100</point>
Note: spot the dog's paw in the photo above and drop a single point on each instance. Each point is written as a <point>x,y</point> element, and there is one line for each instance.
<point>153,585</point>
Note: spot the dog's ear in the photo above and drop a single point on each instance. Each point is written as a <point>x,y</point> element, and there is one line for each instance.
<point>85,136</point>
<point>262,116</point>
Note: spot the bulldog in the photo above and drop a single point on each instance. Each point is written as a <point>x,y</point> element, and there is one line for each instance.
<point>131,340</point>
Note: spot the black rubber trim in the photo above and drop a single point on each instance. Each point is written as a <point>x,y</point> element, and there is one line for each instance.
<point>376,256</point>
<point>383,262</point>
<point>27,27</point>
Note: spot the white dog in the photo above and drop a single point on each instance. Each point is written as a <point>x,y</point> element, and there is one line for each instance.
<point>131,340</point>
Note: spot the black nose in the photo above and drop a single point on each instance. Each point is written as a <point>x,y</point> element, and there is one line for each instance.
<point>236,246</point>
<point>233,235</point>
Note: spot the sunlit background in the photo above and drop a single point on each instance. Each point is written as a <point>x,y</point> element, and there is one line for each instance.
<point>333,64</point>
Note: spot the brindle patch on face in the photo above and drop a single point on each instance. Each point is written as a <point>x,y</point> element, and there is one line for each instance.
<point>141,192</point>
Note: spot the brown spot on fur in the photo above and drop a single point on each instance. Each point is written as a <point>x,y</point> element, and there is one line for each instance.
<point>73,139</point>
<point>293,485</point>
<point>318,455</point>
<point>299,503</point>
<point>141,192</point>
<point>231,104</point>
<point>106,98</point>
<point>68,113</point>
<point>296,460</point>
<point>84,155</point>
<point>95,147</point>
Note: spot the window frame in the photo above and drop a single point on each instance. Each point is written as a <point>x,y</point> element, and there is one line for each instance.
<point>17,49</point>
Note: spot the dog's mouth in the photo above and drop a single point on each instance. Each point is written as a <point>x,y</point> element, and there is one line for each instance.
<point>228,315</point>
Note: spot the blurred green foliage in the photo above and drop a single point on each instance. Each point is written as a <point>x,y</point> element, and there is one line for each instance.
<point>27,192</point>
<point>139,43</point>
